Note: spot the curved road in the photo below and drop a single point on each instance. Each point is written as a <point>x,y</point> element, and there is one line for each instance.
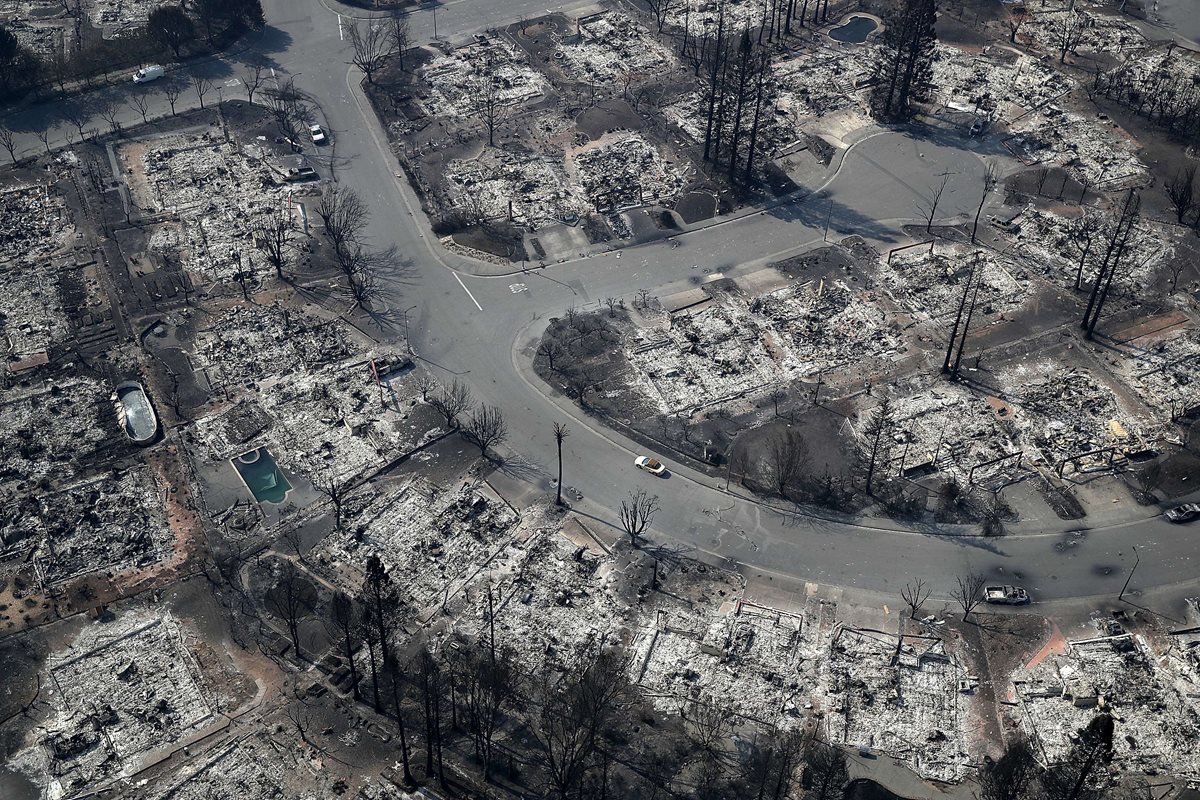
<point>476,328</point>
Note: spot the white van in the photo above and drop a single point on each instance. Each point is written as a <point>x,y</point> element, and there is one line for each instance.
<point>148,73</point>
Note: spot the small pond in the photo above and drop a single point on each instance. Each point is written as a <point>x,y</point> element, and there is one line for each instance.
<point>854,31</point>
<point>262,476</point>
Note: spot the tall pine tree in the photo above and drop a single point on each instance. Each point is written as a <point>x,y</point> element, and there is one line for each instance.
<point>904,69</point>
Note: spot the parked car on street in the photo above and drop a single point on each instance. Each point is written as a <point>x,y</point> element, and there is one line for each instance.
<point>1184,513</point>
<point>149,73</point>
<point>651,465</point>
<point>1005,595</point>
<point>318,134</point>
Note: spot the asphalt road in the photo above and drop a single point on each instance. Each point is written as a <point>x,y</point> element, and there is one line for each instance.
<point>476,327</point>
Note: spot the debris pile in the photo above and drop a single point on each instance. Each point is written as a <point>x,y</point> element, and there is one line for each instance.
<point>1068,413</point>
<point>536,187</point>
<point>1104,158</point>
<point>902,697</point>
<point>122,690</point>
<point>252,767</point>
<point>623,170</point>
<point>434,538</point>
<point>217,189</point>
<point>999,79</point>
<point>110,523</point>
<point>700,17</point>
<point>821,82</point>
<point>1098,34</point>
<point>456,82</point>
<point>1165,374</point>
<point>609,48</point>
<point>116,16</point>
<point>1156,725</point>
<point>712,355</point>
<point>247,343</point>
<point>34,227</point>
<point>931,285</point>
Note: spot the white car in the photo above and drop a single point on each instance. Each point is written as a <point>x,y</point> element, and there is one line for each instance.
<point>318,134</point>
<point>651,465</point>
<point>148,73</point>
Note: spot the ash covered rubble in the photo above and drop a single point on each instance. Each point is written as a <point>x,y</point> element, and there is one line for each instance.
<point>534,187</point>
<point>930,285</point>
<point>111,523</point>
<point>906,698</point>
<point>253,768</point>
<point>34,228</point>
<point>436,538</point>
<point>120,692</point>
<point>700,16</point>
<point>1149,695</point>
<point>999,79</point>
<point>1165,372</point>
<point>115,17</point>
<point>1101,34</point>
<point>453,82</point>
<point>622,170</point>
<point>214,190</point>
<point>1104,157</point>
<point>1067,414</point>
<point>610,48</point>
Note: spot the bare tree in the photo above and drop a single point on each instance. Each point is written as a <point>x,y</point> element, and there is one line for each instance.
<point>398,34</point>
<point>493,108</point>
<point>286,600</point>
<point>1068,32</point>
<point>637,513</point>
<point>1085,229</point>
<point>43,136</point>
<point>827,771</point>
<point>560,433</point>
<point>110,112</point>
<point>425,385</point>
<point>253,78</point>
<point>786,453</point>
<point>8,141</point>
<point>1181,191</point>
<point>372,45</point>
<point>914,594</point>
<point>171,90</point>
<point>486,427</point>
<point>288,110</point>
<point>343,615</point>
<point>343,214</point>
<point>968,591</point>
<point>1118,243</point>
<point>141,102</point>
<point>273,233</point>
<point>486,685</point>
<point>452,400</point>
<point>990,178</point>
<point>1011,776</point>
<point>78,116</point>
<point>201,86</point>
<point>1016,17</point>
<point>876,442</point>
<point>929,205</point>
<point>336,490</point>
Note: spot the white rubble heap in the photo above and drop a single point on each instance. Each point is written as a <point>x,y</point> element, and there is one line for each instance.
<point>1093,154</point>
<point>337,423</point>
<point>907,702</point>
<point>42,38</point>
<point>48,432</point>
<point>217,189</point>
<point>762,663</point>
<point>610,48</point>
<point>622,170</point>
<point>1067,413</point>
<point>122,690</point>
<point>537,187</point>
<point>34,227</point>
<point>114,16</point>
<point>111,523</point>
<point>256,765</point>
<point>1157,724</point>
<point>454,81</point>
<point>1164,373</point>
<point>435,538</point>
<point>822,81</point>
<point>699,16</point>
<point>931,286</point>
<point>712,355</point>
<point>1053,245</point>
<point>1102,33</point>
<point>950,427</point>
<point>993,78</point>
<point>823,325</point>
<point>248,343</point>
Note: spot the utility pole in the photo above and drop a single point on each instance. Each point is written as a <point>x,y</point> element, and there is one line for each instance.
<point>407,343</point>
<point>1137,560</point>
<point>828,216</point>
